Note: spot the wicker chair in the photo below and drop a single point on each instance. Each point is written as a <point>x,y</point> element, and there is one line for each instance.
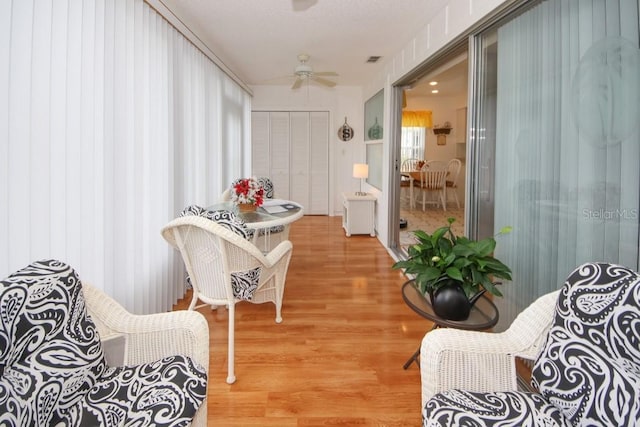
<point>586,372</point>
<point>150,337</point>
<point>70,355</point>
<point>442,349</point>
<point>224,269</point>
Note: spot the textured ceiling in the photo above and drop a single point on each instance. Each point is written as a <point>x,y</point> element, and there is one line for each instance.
<point>260,39</point>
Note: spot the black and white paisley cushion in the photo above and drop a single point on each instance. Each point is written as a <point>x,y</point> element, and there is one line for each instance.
<point>54,370</point>
<point>267,186</point>
<point>588,369</point>
<point>504,409</point>
<point>50,351</point>
<point>225,218</point>
<point>166,392</point>
<point>243,283</point>
<point>590,363</point>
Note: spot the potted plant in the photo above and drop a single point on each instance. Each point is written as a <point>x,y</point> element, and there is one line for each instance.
<point>454,270</point>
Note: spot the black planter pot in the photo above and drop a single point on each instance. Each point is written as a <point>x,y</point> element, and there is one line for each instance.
<point>451,303</point>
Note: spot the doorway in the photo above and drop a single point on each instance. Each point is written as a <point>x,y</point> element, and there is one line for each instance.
<point>438,97</point>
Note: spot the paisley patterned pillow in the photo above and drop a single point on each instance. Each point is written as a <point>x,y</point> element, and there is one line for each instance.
<point>225,218</point>
<point>166,392</point>
<point>267,185</point>
<point>245,283</point>
<point>590,364</point>
<point>50,351</point>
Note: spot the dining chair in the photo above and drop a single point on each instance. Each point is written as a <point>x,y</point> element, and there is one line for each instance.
<point>453,167</point>
<point>432,181</point>
<point>435,164</point>
<point>406,181</point>
<point>225,268</point>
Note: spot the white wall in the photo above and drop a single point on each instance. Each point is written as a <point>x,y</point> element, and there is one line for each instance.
<point>341,102</point>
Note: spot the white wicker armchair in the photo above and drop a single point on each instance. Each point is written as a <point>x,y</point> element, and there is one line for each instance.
<point>482,361</point>
<point>150,337</point>
<point>218,259</point>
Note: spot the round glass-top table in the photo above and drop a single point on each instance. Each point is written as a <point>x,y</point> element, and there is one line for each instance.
<point>484,314</point>
<point>272,213</point>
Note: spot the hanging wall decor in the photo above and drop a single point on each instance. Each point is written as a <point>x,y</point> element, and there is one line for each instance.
<point>345,133</point>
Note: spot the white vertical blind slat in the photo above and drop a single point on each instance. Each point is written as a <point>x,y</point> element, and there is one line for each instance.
<point>39,138</point>
<point>5,50</point>
<point>20,94</point>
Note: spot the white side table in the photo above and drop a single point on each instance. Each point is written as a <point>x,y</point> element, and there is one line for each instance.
<point>358,214</point>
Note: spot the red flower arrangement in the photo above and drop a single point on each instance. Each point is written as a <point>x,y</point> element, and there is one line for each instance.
<point>248,191</point>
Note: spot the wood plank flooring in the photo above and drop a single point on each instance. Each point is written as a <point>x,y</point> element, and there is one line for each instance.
<point>336,359</point>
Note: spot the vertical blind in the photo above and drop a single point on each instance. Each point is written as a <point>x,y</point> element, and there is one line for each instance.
<point>567,142</point>
<point>111,122</point>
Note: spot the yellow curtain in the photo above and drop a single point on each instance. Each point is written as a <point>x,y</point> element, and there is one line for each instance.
<point>421,119</point>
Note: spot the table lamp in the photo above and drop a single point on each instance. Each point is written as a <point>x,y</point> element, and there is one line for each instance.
<point>361,170</point>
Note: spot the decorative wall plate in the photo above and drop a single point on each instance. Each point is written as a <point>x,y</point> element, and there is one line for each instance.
<point>345,133</point>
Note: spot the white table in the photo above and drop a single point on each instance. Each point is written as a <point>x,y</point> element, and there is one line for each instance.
<point>358,214</point>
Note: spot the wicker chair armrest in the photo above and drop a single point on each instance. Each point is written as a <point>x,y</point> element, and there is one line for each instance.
<point>469,360</point>
<point>277,253</point>
<point>483,361</point>
<point>153,336</point>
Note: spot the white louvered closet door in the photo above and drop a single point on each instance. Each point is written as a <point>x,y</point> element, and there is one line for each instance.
<point>296,147</point>
<point>260,130</point>
<point>300,171</point>
<point>319,163</point>
<point>279,156</point>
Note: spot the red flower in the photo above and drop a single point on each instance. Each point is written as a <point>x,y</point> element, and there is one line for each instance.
<point>248,190</point>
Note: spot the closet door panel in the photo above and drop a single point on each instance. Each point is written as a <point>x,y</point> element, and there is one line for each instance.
<point>319,163</point>
<point>299,167</point>
<point>279,156</point>
<point>260,162</point>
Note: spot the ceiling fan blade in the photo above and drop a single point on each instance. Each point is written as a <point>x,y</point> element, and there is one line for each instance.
<point>326,73</point>
<point>322,81</point>
<point>297,83</point>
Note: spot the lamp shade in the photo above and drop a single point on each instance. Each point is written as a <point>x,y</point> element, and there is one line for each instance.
<point>360,170</point>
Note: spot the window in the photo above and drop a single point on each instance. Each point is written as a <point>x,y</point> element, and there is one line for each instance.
<point>412,143</point>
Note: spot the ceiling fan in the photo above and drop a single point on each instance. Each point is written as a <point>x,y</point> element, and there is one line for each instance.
<point>303,72</point>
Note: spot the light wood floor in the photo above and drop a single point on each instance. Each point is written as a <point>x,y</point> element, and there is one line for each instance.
<point>336,359</point>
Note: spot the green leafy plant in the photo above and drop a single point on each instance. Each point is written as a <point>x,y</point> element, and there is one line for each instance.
<point>441,256</point>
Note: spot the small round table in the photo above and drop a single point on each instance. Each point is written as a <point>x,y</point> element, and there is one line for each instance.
<point>484,314</point>
<point>273,213</point>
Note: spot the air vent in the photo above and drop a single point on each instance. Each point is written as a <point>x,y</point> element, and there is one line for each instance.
<point>373,59</point>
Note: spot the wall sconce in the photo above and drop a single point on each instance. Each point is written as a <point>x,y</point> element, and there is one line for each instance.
<point>361,170</point>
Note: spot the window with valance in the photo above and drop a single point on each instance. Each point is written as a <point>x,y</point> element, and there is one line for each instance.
<point>414,124</point>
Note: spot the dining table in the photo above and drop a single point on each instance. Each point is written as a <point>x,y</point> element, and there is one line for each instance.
<point>412,176</point>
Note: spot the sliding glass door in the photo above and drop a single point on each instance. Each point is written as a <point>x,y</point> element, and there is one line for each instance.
<point>556,141</point>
